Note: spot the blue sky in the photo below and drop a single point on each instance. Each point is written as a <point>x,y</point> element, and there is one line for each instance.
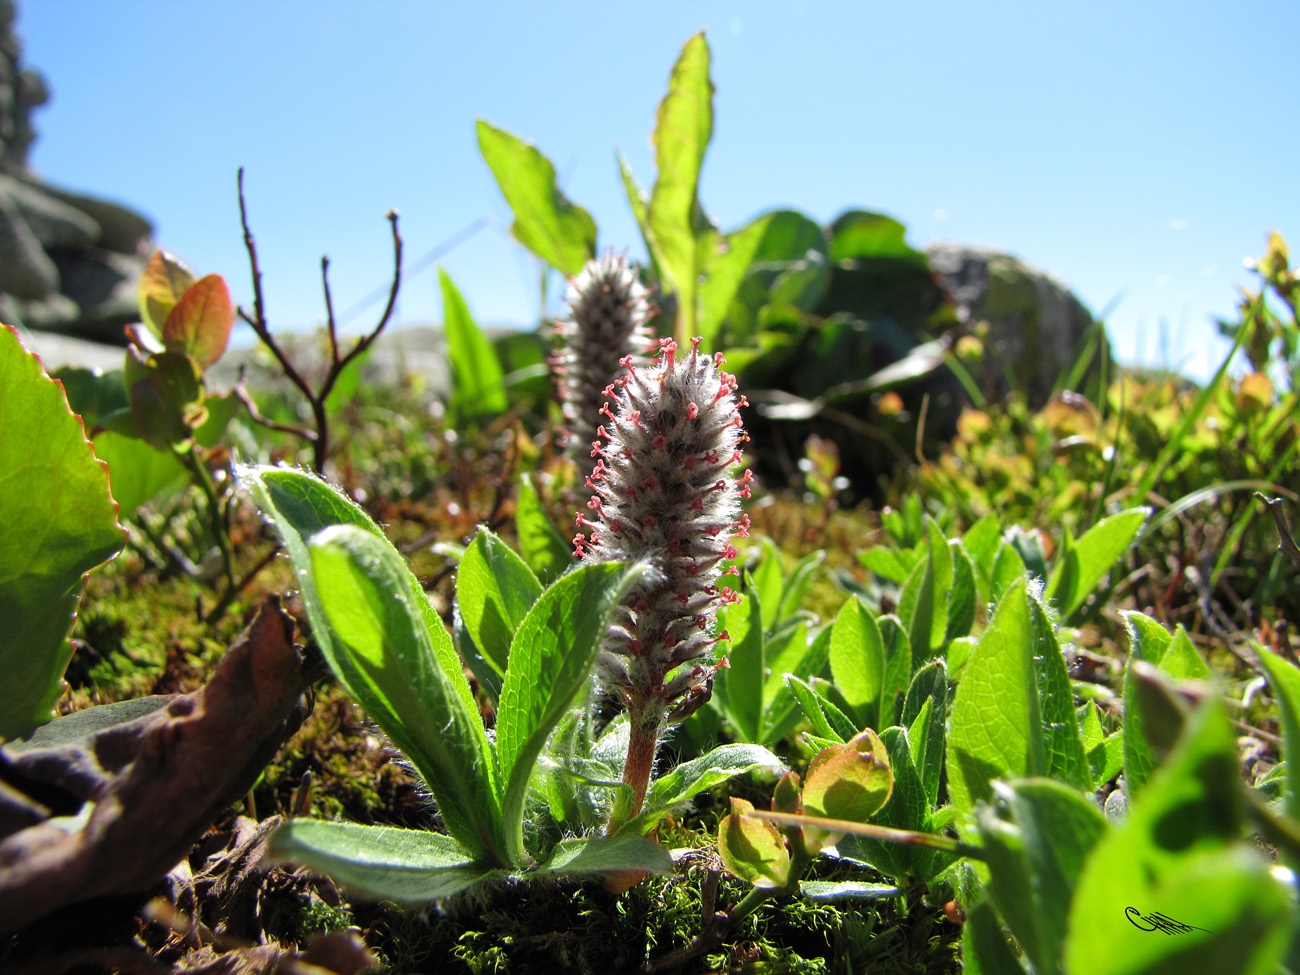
<point>1138,149</point>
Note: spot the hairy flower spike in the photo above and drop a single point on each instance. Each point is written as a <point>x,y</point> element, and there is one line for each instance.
<point>670,496</point>
<point>608,328</point>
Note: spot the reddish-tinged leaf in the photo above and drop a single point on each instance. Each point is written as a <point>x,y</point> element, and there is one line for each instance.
<point>200,323</point>
<point>164,280</point>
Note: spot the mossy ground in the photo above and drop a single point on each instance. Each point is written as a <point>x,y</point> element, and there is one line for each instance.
<point>142,630</point>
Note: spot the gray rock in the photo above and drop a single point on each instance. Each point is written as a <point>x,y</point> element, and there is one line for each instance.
<point>26,271</point>
<point>51,221</point>
<point>68,262</point>
<point>1036,324</point>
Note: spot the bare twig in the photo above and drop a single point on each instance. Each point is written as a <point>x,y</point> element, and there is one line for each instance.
<point>318,397</point>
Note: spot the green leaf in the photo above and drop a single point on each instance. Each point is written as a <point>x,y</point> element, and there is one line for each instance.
<point>550,663</point>
<point>559,232</point>
<point>57,522</point>
<point>1036,840</point>
<point>741,683</point>
<point>1181,854</point>
<point>585,856</point>
<point>477,381</point>
<point>383,650</point>
<point>981,542</point>
<point>984,948</point>
<point>798,582</point>
<point>788,651</point>
<point>815,710</point>
<point>995,729</point>
<point>929,687</point>
<point>1148,641</point>
<point>494,591</point>
<point>923,606</point>
<point>164,281</point>
<point>408,866</point>
<point>1084,564</point>
<point>753,849</point>
<point>1181,661</point>
<point>137,472</point>
<point>898,668</point>
<point>683,128</point>
<point>962,597</point>
<point>858,661</point>
<point>1284,679</point>
<point>907,809</point>
<point>1066,759</point>
<point>640,204</point>
<point>199,324</point>
<point>698,775</point>
<point>543,549</point>
<point>300,505</point>
<point>767,581</point>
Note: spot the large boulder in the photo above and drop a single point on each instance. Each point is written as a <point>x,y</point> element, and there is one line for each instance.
<point>68,262</point>
<point>1036,325</point>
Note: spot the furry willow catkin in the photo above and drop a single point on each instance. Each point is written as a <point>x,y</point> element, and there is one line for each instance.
<point>609,314</point>
<point>665,491</point>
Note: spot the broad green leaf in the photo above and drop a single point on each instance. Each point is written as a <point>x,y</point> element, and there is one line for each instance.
<point>1089,559</point>
<point>640,205</point>
<point>889,563</point>
<point>1105,752</point>
<point>541,545</point>
<point>167,398</point>
<point>1181,854</point>
<point>929,688</point>
<point>898,668</point>
<point>858,661</point>
<point>907,809</point>
<point>551,659</point>
<point>798,582</point>
<point>301,504</point>
<point>559,232</point>
<point>741,683</point>
<point>199,324</point>
<point>582,856</point>
<point>137,472</point>
<point>494,591</point>
<point>982,541</point>
<point>698,775</point>
<point>1036,840</point>
<point>1181,661</point>
<point>57,522</point>
<point>683,128</point>
<point>408,866</point>
<point>478,385</point>
<point>1284,680</point>
<point>860,234</point>
<point>753,849</point>
<point>963,595</point>
<point>996,730</point>
<point>164,280</point>
<point>383,652</point>
<point>923,606</point>
<point>984,948</point>
<point>1148,641</point>
<point>1066,759</point>
<point>814,709</point>
<point>787,275</point>
<point>724,272</point>
<point>767,581</point>
<point>788,652</point>
<point>1008,567</point>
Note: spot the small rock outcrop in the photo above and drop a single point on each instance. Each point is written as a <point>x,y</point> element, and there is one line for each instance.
<point>1036,324</point>
<point>68,263</point>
